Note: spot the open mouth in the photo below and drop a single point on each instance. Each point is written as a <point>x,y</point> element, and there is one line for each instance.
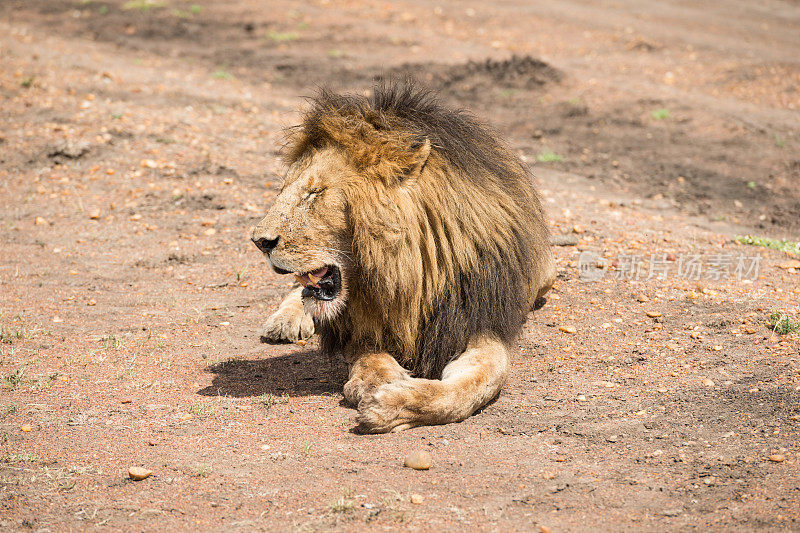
<point>323,284</point>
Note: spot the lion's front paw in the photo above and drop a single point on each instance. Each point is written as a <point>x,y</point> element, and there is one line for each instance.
<point>385,409</point>
<point>354,390</point>
<point>366,381</point>
<point>287,324</point>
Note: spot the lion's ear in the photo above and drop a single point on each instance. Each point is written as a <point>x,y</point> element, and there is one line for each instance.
<point>420,158</point>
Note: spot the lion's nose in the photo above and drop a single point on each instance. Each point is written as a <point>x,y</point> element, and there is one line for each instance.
<point>266,244</point>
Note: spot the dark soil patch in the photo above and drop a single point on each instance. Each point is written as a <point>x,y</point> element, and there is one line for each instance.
<point>477,78</point>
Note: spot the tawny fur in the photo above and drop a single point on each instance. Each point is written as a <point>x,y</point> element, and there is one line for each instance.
<point>438,232</point>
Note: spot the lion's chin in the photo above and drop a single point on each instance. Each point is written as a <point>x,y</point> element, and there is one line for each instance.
<point>324,292</point>
<point>324,310</point>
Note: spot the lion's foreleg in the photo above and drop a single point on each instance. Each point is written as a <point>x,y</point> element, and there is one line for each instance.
<point>467,384</point>
<point>290,323</point>
<point>370,370</point>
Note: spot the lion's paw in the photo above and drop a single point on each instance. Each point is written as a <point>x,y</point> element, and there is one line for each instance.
<point>384,409</point>
<point>364,382</point>
<point>354,390</point>
<point>287,324</point>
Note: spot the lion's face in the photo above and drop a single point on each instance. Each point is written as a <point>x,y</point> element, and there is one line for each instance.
<point>305,232</point>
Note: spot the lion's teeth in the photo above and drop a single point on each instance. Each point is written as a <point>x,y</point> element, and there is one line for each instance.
<point>300,279</point>
<point>314,279</point>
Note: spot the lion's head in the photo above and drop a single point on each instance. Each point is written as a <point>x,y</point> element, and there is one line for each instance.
<point>309,230</point>
<point>306,231</point>
<point>409,225</point>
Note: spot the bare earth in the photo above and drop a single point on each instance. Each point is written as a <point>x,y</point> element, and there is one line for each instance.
<point>138,146</point>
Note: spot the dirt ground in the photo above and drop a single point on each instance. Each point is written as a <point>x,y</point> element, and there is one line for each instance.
<point>138,145</point>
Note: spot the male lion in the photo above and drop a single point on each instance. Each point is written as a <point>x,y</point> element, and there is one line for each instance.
<point>420,246</point>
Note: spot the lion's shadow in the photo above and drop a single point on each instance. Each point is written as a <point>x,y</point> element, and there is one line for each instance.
<point>297,374</point>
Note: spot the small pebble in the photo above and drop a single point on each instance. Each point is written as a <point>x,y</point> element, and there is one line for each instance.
<point>777,458</point>
<point>653,314</point>
<point>26,428</point>
<point>642,298</point>
<point>137,473</point>
<point>417,499</point>
<point>544,529</point>
<point>581,398</point>
<point>564,240</point>
<point>419,460</point>
<point>39,221</point>
<point>708,383</point>
<point>568,329</point>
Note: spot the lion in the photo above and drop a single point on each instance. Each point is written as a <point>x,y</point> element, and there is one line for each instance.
<point>419,245</point>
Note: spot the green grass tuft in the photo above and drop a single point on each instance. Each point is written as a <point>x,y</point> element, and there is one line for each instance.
<point>143,5</point>
<point>549,157</point>
<point>782,323</point>
<point>660,114</point>
<point>790,247</point>
<point>344,503</point>
<point>268,400</point>
<point>281,37</point>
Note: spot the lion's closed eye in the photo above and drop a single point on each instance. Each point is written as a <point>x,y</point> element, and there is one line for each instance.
<point>313,194</point>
